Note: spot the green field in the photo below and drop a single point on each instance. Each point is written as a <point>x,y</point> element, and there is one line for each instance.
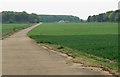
<point>0,31</point>
<point>8,29</point>
<point>96,39</point>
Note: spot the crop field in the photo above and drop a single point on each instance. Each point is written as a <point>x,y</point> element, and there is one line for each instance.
<point>98,39</point>
<point>0,31</point>
<point>8,29</point>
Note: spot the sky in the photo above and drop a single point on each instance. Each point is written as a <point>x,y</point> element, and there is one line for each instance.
<point>80,8</point>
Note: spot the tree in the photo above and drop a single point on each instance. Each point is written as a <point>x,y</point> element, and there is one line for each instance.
<point>19,17</point>
<point>57,18</point>
<point>110,16</point>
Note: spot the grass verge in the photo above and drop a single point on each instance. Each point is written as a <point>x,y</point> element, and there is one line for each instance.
<point>9,29</point>
<point>85,59</point>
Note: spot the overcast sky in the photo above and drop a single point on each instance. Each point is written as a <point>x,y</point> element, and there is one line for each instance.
<point>81,8</point>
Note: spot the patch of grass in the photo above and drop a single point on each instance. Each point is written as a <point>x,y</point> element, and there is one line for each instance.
<point>8,29</point>
<point>0,31</point>
<point>60,47</point>
<point>75,29</point>
<point>104,46</point>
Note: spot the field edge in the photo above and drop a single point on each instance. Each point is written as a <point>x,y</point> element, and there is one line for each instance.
<point>14,31</point>
<point>85,59</point>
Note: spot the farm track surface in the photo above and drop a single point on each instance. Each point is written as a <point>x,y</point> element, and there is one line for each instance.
<point>23,56</point>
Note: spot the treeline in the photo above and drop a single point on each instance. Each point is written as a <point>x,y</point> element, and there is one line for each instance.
<point>24,17</point>
<point>110,16</point>
<point>19,17</point>
<point>58,18</point>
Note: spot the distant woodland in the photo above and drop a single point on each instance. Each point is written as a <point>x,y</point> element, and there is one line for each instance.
<point>110,16</point>
<point>24,17</point>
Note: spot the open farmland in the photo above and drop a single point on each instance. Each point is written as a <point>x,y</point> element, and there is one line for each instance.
<point>97,39</point>
<point>8,29</point>
<point>0,31</point>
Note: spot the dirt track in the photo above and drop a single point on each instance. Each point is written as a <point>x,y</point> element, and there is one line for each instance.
<point>22,56</point>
